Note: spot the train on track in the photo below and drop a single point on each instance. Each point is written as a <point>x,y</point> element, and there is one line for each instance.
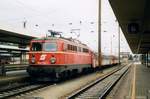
<point>57,57</point>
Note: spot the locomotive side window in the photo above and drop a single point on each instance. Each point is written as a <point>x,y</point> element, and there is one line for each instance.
<point>50,47</point>
<point>36,46</point>
<point>85,50</point>
<point>71,47</point>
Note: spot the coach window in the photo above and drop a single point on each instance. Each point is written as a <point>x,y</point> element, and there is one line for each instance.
<point>85,50</point>
<point>50,47</point>
<point>71,47</point>
<point>36,46</point>
<point>75,48</point>
<point>68,47</point>
<point>79,49</point>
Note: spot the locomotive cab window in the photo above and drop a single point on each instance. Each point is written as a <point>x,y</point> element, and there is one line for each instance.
<point>36,46</point>
<point>50,47</point>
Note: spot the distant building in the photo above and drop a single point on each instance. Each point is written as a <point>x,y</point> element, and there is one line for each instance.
<point>124,54</point>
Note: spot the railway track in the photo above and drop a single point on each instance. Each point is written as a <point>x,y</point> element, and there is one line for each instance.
<point>101,87</point>
<point>21,90</point>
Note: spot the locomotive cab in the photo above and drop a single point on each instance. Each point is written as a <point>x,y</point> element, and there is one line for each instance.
<point>44,52</point>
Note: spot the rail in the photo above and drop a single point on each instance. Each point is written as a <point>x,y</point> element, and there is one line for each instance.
<point>21,90</point>
<point>101,87</point>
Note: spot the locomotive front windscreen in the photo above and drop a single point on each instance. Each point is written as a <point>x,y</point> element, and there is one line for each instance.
<point>49,47</point>
<point>38,46</point>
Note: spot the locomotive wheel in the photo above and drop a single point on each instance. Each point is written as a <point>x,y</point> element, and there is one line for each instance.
<point>74,72</point>
<point>69,74</point>
<point>85,70</point>
<point>63,75</point>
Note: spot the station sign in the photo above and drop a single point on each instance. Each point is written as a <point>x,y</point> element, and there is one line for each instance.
<point>133,28</point>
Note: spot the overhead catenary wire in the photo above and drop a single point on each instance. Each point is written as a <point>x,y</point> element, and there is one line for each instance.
<point>38,13</point>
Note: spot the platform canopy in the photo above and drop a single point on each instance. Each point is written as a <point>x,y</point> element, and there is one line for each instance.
<point>12,37</point>
<point>134,19</point>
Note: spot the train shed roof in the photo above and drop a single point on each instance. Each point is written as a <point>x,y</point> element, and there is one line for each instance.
<point>134,19</point>
<point>12,37</point>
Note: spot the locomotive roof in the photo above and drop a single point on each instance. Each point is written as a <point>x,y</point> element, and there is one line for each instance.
<point>63,39</point>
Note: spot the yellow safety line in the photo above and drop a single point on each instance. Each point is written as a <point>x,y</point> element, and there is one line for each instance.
<point>133,84</point>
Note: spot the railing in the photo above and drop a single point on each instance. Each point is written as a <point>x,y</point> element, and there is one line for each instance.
<point>12,67</point>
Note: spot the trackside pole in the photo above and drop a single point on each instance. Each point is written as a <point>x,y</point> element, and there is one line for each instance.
<point>99,33</point>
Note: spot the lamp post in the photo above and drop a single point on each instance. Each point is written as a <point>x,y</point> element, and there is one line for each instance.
<point>118,42</point>
<point>99,32</point>
<point>111,46</point>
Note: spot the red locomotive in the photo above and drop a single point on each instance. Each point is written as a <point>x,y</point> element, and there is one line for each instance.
<point>54,57</point>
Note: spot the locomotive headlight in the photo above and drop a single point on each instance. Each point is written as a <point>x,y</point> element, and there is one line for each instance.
<point>33,60</point>
<point>53,60</point>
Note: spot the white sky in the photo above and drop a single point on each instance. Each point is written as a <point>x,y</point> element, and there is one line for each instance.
<point>44,13</point>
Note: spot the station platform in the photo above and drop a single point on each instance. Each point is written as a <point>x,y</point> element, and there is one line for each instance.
<point>135,84</point>
<point>142,82</point>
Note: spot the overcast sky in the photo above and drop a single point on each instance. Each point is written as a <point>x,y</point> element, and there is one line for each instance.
<point>63,15</point>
